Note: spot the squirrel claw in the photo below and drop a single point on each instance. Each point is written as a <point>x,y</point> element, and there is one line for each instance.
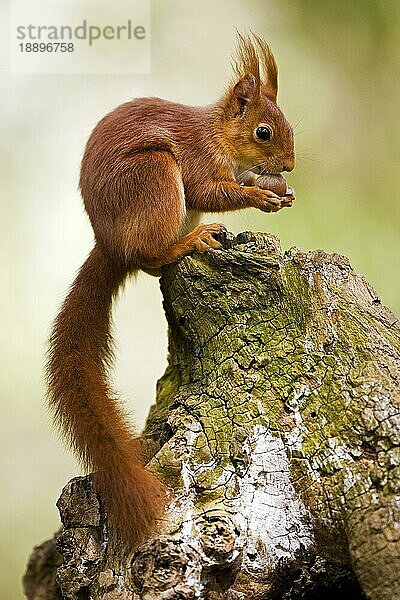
<point>288,198</point>
<point>203,238</point>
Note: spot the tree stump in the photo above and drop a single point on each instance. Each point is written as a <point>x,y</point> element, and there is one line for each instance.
<point>277,430</point>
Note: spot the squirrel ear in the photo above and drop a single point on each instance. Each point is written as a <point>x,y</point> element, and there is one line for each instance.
<point>269,83</point>
<point>270,89</point>
<point>246,89</point>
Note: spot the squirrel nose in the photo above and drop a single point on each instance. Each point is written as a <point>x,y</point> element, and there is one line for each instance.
<point>289,164</point>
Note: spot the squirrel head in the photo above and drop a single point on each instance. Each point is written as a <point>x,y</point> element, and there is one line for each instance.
<point>255,132</point>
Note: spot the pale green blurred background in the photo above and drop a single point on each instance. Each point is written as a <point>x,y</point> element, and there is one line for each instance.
<point>339,82</point>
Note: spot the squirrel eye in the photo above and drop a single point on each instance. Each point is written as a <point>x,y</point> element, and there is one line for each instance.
<point>263,133</point>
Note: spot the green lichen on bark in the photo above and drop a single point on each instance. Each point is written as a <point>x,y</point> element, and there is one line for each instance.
<point>293,349</point>
<point>277,430</point>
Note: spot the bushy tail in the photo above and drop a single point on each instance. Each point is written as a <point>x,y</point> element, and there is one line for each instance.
<point>84,406</point>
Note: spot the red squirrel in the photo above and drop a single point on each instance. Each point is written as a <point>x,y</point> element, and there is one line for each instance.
<point>150,168</point>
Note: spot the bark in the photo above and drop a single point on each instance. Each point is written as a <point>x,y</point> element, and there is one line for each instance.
<point>277,430</point>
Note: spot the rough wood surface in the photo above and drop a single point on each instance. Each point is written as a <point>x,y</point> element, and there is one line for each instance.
<point>277,429</point>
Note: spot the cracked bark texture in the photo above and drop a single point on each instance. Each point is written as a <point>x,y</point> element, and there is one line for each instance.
<point>277,430</point>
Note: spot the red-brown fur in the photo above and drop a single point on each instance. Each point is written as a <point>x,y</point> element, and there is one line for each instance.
<point>149,167</point>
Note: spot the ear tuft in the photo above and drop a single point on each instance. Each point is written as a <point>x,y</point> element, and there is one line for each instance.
<point>269,84</point>
<point>246,62</point>
<point>254,58</point>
